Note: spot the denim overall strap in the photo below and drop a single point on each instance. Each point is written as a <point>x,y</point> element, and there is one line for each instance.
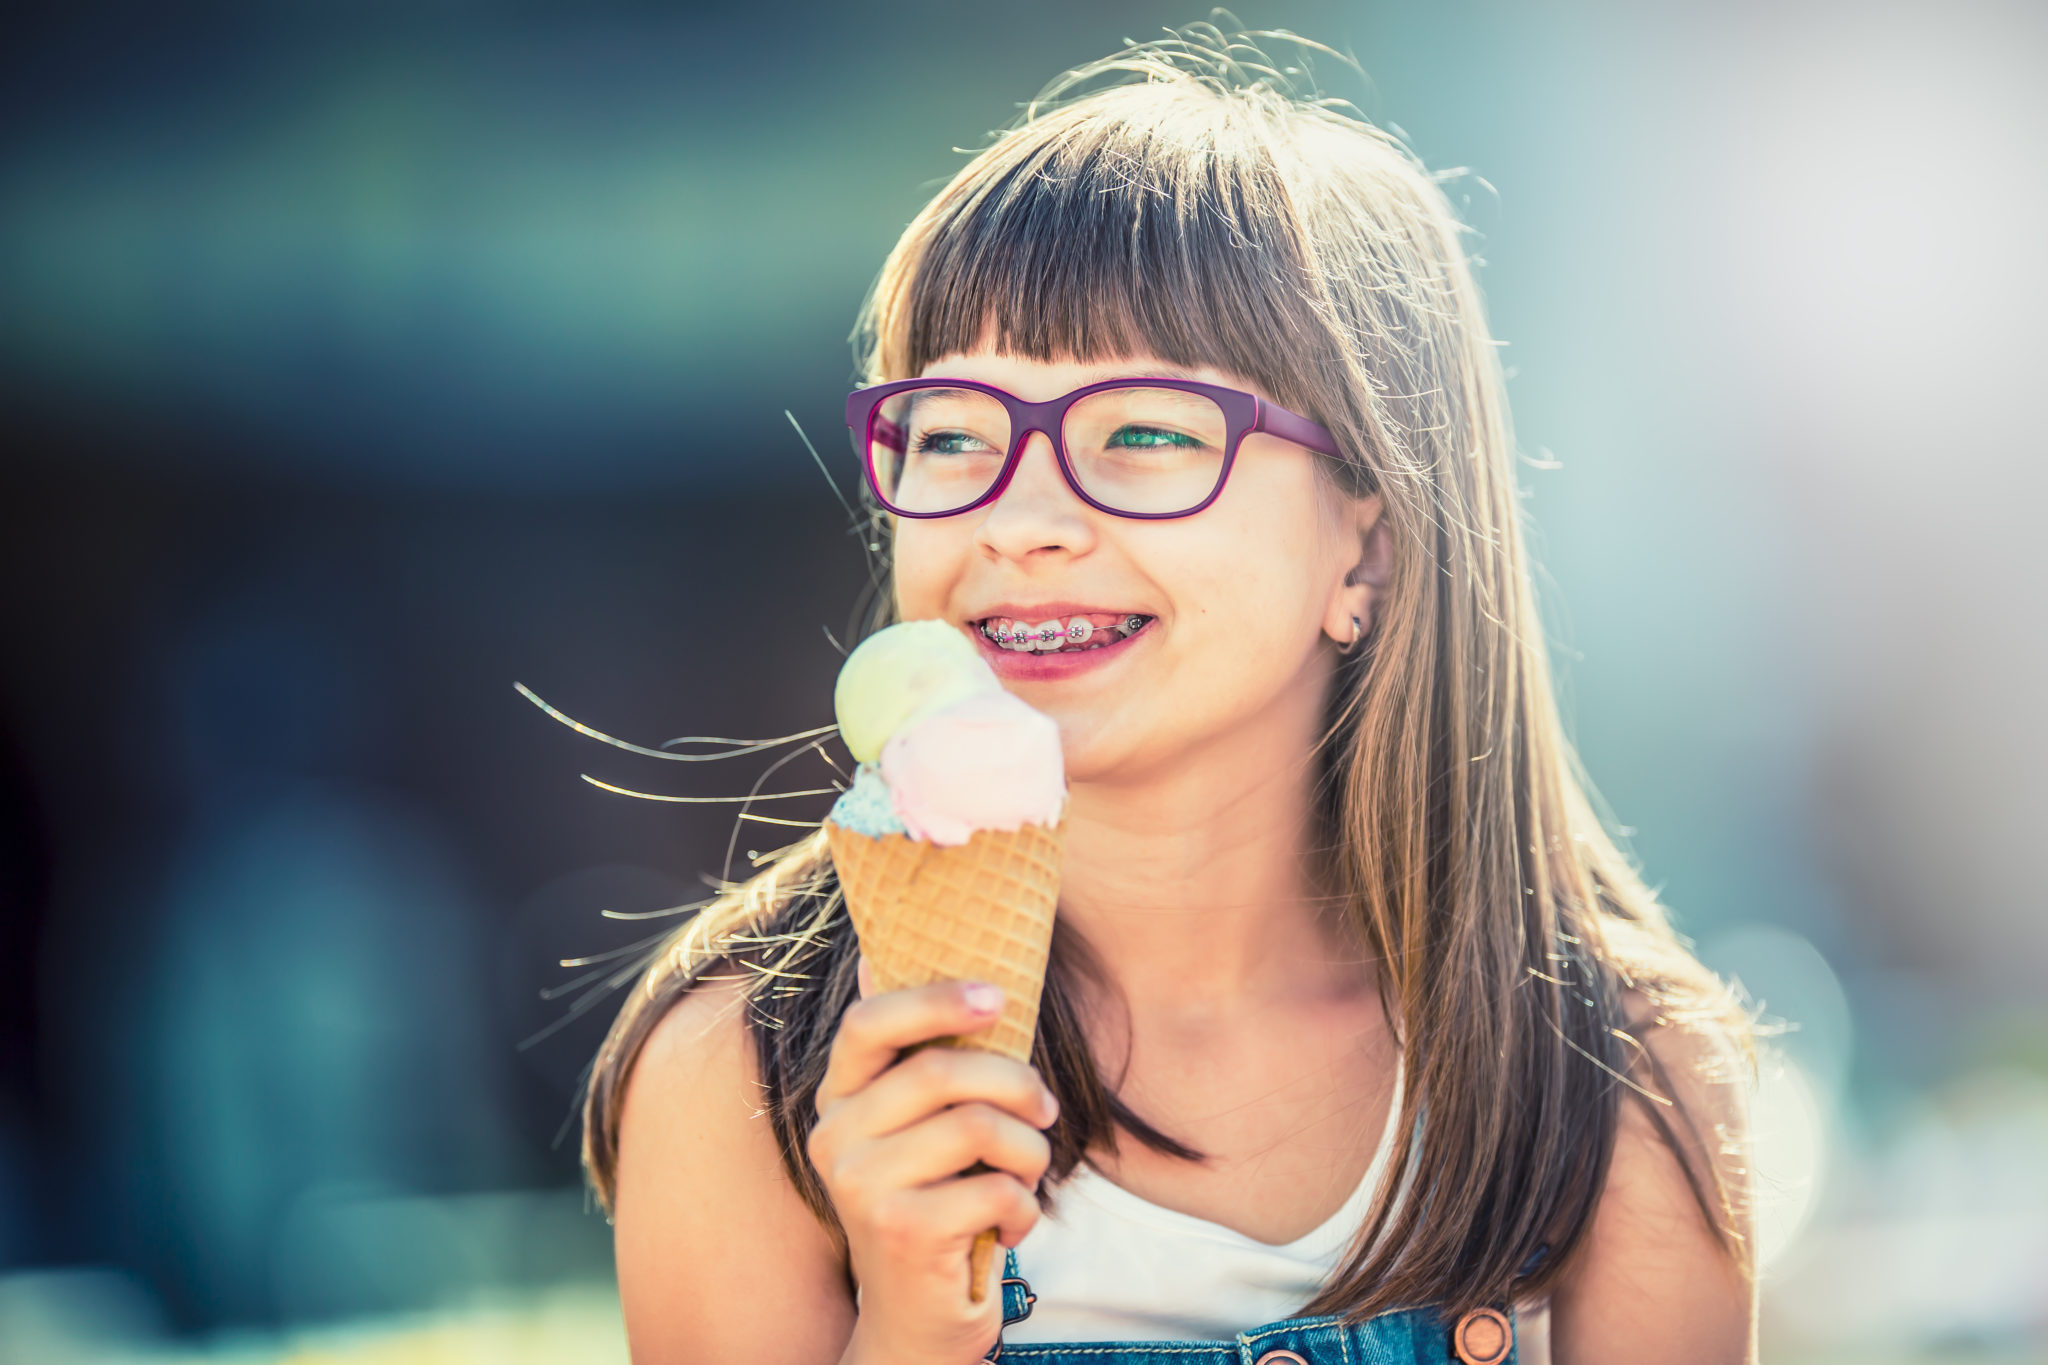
<point>1017,1295</point>
<point>1414,1336</point>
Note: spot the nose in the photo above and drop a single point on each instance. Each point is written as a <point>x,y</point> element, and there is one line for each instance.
<point>1037,512</point>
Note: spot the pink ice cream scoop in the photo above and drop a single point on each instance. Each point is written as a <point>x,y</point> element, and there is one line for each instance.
<point>987,761</point>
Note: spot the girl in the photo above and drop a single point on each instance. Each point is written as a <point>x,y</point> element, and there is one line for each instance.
<point>1361,1040</point>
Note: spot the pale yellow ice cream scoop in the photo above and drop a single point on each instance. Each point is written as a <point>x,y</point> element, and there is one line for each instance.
<point>900,671</point>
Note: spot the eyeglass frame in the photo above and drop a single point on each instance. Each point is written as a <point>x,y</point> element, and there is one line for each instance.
<point>1243,413</point>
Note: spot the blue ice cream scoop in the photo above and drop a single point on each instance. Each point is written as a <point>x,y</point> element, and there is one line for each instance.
<point>865,807</point>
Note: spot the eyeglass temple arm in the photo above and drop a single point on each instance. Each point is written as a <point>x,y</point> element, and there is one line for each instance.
<point>889,434</point>
<point>1289,426</point>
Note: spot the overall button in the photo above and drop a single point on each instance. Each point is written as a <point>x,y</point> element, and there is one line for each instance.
<point>1483,1337</point>
<point>1280,1358</point>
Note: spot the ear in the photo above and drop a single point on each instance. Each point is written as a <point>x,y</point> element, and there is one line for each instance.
<point>1365,582</point>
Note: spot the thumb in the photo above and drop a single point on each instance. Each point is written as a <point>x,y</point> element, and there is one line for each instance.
<point>863,975</point>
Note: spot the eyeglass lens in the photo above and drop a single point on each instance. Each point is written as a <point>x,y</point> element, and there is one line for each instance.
<point>1133,449</point>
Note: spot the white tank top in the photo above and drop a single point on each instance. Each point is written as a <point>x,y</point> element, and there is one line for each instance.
<point>1109,1266</point>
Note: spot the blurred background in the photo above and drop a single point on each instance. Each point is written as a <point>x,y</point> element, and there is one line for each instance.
<point>357,362</point>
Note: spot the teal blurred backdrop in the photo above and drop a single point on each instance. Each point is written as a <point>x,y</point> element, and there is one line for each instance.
<point>356,364</point>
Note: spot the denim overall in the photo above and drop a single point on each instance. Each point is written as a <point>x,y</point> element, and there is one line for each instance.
<point>1410,1336</point>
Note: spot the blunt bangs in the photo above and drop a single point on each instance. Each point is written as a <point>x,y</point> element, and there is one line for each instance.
<point>1162,232</point>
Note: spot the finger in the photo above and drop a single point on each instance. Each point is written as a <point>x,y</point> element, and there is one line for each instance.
<point>863,975</point>
<point>948,1143</point>
<point>939,1077</point>
<point>964,1206</point>
<point>873,1032</point>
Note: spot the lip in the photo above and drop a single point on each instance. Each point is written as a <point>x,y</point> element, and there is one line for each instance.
<point>1039,611</point>
<point>1014,665</point>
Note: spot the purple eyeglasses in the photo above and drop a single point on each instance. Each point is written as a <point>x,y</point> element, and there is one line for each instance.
<point>1149,448</point>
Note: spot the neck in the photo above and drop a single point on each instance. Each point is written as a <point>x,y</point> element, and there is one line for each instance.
<point>1198,888</point>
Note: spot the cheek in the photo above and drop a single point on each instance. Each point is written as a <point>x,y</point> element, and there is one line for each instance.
<point>926,558</point>
<point>1249,613</point>
<point>1244,633</point>
<point>1256,580</point>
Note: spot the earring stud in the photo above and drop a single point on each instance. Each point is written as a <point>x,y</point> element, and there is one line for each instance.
<point>1357,634</point>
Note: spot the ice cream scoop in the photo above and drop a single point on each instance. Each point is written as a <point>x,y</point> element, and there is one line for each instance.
<point>899,671</point>
<point>987,761</point>
<point>866,807</point>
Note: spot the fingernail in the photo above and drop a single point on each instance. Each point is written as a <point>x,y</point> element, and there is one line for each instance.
<point>1051,1106</point>
<point>982,998</point>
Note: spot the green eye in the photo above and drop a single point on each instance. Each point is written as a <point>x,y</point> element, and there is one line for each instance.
<point>1158,437</point>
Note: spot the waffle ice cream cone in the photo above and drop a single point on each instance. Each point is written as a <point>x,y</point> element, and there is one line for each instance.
<point>981,911</point>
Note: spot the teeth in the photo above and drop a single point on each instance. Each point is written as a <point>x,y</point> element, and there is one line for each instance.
<point>1025,637</point>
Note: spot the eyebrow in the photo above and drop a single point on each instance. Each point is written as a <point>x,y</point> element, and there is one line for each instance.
<point>1161,371</point>
<point>1154,372</point>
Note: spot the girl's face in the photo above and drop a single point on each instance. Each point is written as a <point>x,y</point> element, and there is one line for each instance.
<point>1237,608</point>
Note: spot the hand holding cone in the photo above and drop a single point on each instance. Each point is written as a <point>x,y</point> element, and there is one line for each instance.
<point>980,912</point>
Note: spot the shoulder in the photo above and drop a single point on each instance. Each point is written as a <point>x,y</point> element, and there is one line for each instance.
<point>1665,1268</point>
<point>701,1038</point>
<point>1692,1070</point>
<point>716,1250</point>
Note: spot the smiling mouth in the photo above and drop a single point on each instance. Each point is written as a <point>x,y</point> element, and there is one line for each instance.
<point>1071,635</point>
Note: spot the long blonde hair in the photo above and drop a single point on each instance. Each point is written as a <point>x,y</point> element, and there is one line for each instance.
<point>1209,209</point>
